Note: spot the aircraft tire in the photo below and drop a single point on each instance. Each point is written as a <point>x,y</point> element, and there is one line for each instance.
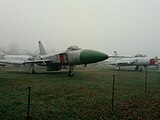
<point>140,69</point>
<point>136,68</point>
<point>70,74</point>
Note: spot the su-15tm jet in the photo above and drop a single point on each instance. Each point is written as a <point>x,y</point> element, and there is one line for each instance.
<point>71,57</point>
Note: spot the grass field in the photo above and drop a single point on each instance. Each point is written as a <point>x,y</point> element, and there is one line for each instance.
<point>86,96</point>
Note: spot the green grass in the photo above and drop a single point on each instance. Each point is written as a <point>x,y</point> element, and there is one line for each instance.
<point>86,96</point>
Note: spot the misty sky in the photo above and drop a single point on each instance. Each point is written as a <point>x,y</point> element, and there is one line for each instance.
<point>127,26</point>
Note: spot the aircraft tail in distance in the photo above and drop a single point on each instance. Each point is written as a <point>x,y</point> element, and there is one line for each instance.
<point>41,49</point>
<point>115,56</point>
<point>115,53</point>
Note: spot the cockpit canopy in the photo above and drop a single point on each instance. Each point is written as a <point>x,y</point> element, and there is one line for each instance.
<point>73,48</point>
<point>140,55</point>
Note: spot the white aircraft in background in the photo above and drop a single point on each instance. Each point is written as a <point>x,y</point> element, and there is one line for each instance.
<point>71,57</point>
<point>138,61</point>
<point>13,59</point>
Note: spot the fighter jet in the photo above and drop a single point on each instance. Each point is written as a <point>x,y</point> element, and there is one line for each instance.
<point>71,57</point>
<point>138,61</point>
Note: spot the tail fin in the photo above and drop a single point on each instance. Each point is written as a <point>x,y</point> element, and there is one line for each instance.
<point>41,49</point>
<point>116,54</point>
<point>156,59</point>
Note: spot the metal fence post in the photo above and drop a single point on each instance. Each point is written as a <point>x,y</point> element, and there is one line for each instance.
<point>145,88</point>
<point>28,102</point>
<point>113,92</point>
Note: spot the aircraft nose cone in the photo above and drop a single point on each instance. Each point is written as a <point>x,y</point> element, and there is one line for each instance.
<point>92,56</point>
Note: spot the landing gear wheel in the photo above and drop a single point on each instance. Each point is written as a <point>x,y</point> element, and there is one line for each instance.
<point>33,71</point>
<point>70,74</point>
<point>136,68</point>
<point>140,69</point>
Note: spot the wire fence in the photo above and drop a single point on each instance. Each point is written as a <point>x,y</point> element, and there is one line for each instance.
<point>127,89</point>
<point>118,89</point>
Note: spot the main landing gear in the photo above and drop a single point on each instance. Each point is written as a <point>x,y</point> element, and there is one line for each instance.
<point>138,68</point>
<point>70,73</point>
<point>118,68</point>
<point>32,67</point>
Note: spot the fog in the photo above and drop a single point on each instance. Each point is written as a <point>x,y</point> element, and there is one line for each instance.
<point>127,26</point>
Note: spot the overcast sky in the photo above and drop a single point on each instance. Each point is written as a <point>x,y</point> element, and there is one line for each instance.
<point>127,26</point>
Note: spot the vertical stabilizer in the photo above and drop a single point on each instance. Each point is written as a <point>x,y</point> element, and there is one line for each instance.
<point>115,53</point>
<point>41,49</point>
<point>116,56</point>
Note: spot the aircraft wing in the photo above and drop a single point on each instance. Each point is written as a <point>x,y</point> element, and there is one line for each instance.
<point>12,61</point>
<point>125,63</point>
<point>39,61</point>
<point>121,62</point>
<point>20,62</point>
